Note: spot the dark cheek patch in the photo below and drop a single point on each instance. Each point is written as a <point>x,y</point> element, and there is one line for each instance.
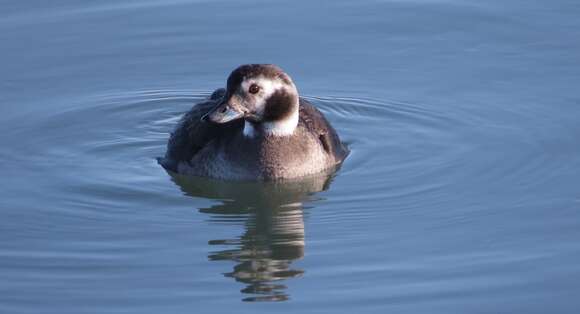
<point>279,106</point>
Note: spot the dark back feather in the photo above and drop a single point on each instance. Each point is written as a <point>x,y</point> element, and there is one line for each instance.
<point>192,134</point>
<point>316,123</point>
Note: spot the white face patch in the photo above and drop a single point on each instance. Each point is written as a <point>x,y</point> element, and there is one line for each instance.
<point>268,87</point>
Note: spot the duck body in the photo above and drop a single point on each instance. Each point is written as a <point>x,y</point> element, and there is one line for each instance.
<point>253,148</point>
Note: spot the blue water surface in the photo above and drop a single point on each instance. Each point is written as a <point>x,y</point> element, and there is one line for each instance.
<point>461,194</point>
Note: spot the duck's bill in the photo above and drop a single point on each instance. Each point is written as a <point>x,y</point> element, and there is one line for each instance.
<point>222,114</point>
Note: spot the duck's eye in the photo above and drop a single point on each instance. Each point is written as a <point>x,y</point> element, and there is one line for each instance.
<point>254,89</point>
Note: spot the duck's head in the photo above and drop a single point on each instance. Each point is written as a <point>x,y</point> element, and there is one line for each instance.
<point>264,96</point>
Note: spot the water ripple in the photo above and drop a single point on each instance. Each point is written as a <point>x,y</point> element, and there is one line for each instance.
<point>405,156</point>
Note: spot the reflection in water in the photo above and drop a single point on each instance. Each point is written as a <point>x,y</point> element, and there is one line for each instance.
<point>274,237</point>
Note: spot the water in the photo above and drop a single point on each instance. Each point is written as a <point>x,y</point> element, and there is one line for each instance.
<point>461,194</point>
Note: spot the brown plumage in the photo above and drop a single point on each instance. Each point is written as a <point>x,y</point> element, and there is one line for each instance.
<point>202,148</point>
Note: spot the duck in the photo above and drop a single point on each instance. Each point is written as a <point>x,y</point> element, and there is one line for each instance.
<point>257,128</point>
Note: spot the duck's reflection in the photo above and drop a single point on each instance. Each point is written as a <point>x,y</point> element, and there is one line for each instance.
<point>273,216</point>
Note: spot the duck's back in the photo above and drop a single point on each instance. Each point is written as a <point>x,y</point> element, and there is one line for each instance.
<point>191,134</point>
<point>316,124</point>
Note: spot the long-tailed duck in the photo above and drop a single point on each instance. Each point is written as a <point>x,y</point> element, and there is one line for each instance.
<point>258,128</point>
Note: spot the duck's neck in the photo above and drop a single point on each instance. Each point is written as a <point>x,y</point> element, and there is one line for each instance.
<point>284,127</point>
